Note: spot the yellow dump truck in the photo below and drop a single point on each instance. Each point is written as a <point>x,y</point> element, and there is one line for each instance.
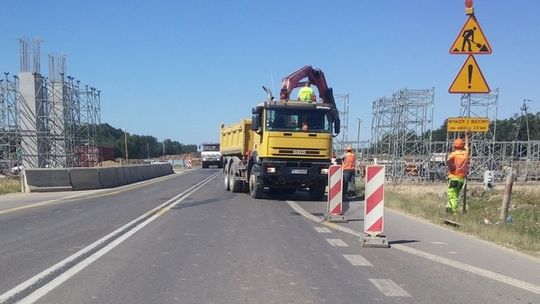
<point>285,146</point>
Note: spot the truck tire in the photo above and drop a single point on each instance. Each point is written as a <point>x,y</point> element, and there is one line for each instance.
<point>316,191</point>
<point>234,184</point>
<point>255,185</point>
<point>204,165</point>
<point>226,179</point>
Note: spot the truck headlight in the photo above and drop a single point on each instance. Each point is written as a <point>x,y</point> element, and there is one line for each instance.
<point>270,170</point>
<point>324,171</point>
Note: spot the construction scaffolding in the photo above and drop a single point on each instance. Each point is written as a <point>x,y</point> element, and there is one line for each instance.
<point>401,140</point>
<point>340,144</point>
<point>47,122</point>
<point>10,151</point>
<point>401,132</point>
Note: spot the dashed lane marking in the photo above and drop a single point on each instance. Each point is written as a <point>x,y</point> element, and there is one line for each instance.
<point>389,288</point>
<point>337,242</point>
<point>439,259</point>
<point>357,260</point>
<point>322,230</point>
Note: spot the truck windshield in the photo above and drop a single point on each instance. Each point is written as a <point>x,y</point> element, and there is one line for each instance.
<point>210,147</point>
<point>311,120</point>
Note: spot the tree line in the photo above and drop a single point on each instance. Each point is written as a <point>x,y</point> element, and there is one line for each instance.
<point>510,129</point>
<point>139,146</point>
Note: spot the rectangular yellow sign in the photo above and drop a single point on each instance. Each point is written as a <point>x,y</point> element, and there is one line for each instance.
<point>470,124</point>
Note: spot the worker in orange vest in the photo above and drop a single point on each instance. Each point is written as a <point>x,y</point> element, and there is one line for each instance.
<point>458,168</point>
<point>349,167</point>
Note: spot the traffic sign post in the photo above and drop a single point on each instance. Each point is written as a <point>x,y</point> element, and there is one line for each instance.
<point>374,208</point>
<point>334,205</point>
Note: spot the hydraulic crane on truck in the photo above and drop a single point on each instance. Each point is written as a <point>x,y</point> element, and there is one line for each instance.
<point>314,76</point>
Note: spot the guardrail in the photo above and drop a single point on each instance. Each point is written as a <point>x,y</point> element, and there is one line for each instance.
<point>54,179</point>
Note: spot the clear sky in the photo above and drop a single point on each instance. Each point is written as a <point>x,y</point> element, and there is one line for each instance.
<point>178,69</point>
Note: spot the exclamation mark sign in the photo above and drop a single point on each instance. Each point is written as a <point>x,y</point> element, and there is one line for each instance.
<point>470,70</point>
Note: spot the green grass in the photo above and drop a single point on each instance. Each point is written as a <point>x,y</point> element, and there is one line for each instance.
<point>9,185</point>
<point>428,202</point>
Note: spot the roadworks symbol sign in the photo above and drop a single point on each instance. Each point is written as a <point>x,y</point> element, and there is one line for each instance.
<point>469,79</point>
<point>471,39</point>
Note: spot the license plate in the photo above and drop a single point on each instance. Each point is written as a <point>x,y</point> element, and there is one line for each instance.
<point>299,171</point>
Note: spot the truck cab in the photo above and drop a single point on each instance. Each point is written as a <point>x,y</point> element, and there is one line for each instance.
<point>292,146</point>
<point>210,155</point>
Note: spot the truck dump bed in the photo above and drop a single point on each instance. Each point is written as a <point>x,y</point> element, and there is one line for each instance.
<point>236,139</point>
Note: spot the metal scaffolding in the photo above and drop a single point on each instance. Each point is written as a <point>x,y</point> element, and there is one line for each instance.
<point>47,122</point>
<point>482,146</point>
<point>401,132</point>
<point>339,144</point>
<point>10,150</point>
<point>401,139</point>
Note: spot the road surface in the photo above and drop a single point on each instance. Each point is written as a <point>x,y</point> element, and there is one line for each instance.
<point>184,239</point>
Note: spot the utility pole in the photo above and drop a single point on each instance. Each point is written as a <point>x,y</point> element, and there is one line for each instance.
<point>125,143</point>
<point>358,137</point>
<point>524,112</point>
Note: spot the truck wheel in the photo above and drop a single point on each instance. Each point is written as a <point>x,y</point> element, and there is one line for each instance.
<point>226,179</point>
<point>255,185</point>
<point>316,191</point>
<point>234,184</point>
<point>204,165</point>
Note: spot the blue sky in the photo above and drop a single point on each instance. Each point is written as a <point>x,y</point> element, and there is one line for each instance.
<point>178,69</point>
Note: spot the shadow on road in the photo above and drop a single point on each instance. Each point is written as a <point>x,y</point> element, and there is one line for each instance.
<point>402,242</point>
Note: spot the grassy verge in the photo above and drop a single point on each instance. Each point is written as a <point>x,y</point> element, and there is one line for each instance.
<point>8,185</point>
<point>483,211</point>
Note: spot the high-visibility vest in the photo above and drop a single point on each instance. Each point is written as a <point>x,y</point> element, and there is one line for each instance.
<point>349,161</point>
<point>458,164</point>
<point>305,94</point>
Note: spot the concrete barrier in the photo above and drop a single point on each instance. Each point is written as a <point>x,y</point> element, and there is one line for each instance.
<point>166,169</point>
<point>47,179</point>
<point>53,179</point>
<point>123,177</point>
<point>155,170</point>
<point>108,177</point>
<point>84,178</point>
<point>136,173</point>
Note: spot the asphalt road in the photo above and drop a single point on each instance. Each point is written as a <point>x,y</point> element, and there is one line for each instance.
<point>184,239</point>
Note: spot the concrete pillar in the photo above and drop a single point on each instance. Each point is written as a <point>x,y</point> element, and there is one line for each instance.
<point>33,127</point>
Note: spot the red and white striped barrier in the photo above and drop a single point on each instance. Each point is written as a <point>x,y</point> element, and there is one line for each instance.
<point>334,205</point>
<point>374,207</point>
<point>189,162</point>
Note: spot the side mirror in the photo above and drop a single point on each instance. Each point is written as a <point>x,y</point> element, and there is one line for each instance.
<point>337,126</point>
<point>255,125</point>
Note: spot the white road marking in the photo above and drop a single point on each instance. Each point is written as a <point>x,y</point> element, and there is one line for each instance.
<point>357,260</point>
<point>438,243</point>
<point>303,212</point>
<point>389,288</point>
<point>442,260</point>
<point>469,268</point>
<point>322,230</point>
<point>121,235</point>
<point>337,242</point>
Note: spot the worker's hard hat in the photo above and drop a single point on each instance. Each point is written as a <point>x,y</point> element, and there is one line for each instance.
<point>459,144</point>
<point>349,148</point>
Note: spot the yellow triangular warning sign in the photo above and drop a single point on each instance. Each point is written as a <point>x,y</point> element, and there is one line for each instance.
<point>469,79</point>
<point>471,39</point>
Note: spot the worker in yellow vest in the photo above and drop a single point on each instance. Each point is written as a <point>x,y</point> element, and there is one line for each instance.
<point>306,93</point>
<point>349,167</point>
<point>458,168</point>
